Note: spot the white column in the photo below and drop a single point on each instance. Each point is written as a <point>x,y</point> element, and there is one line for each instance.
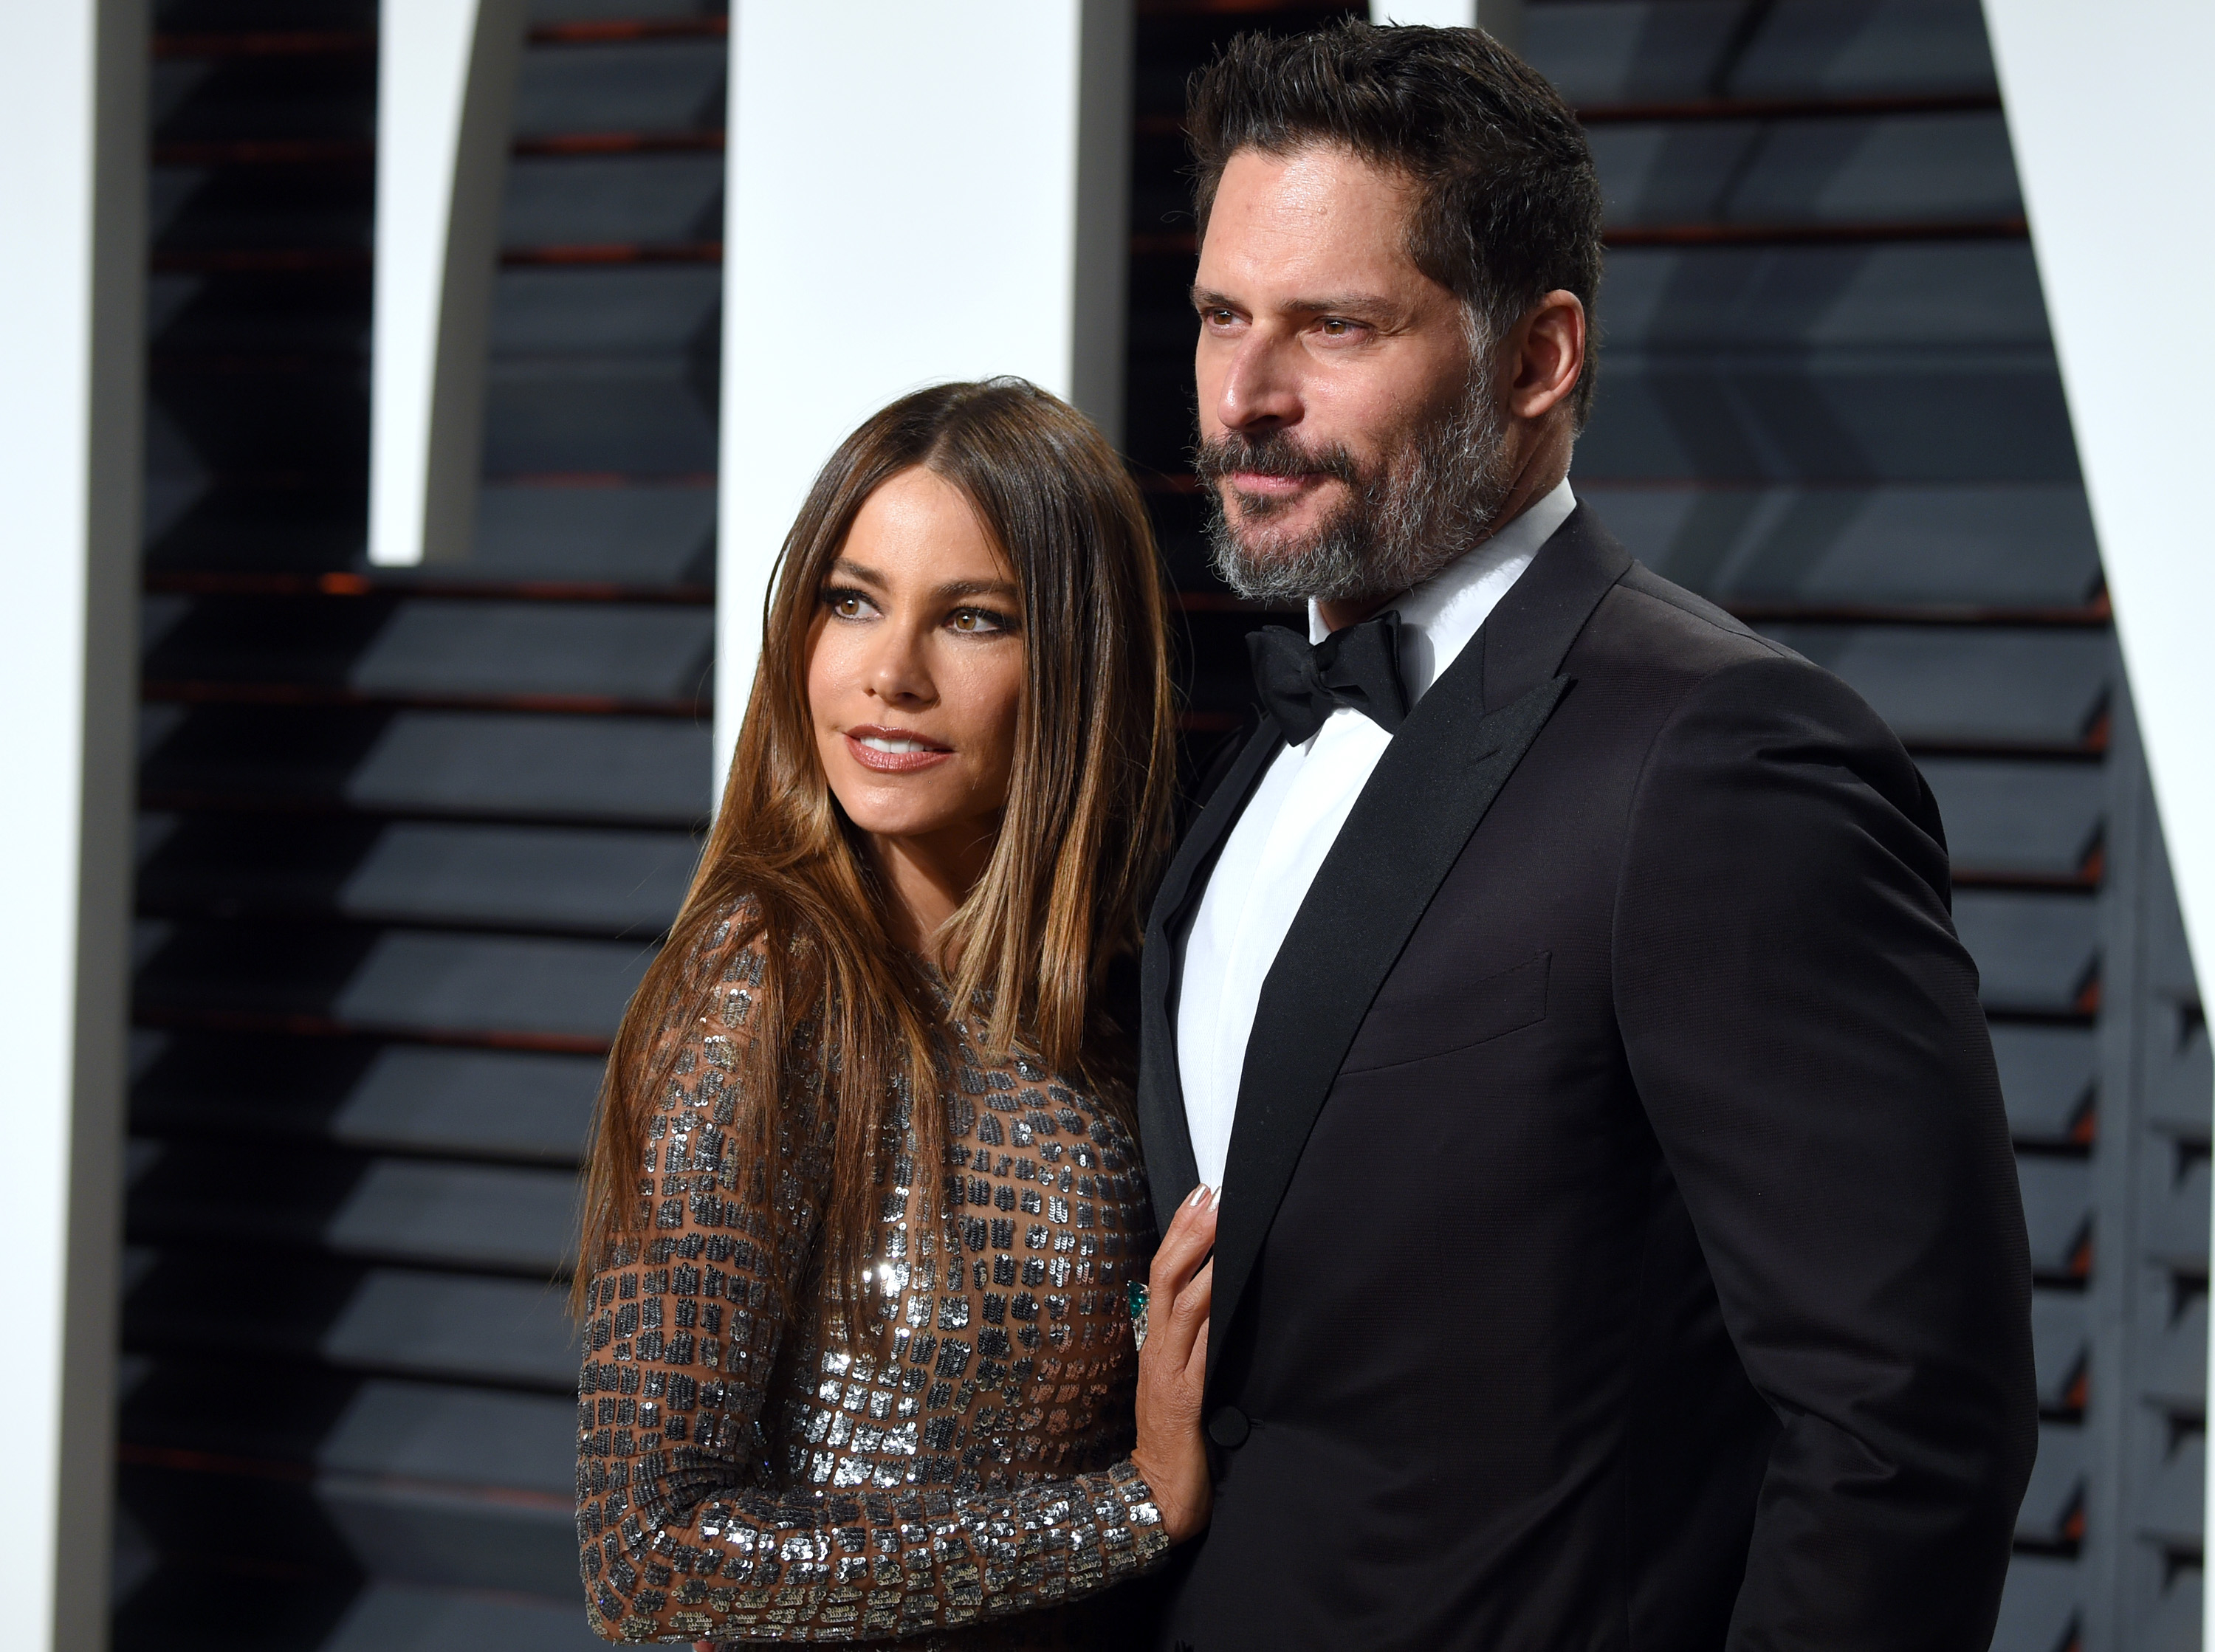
<point>445,89</point>
<point>72,285</point>
<point>2114,142</point>
<point>919,190</point>
<point>1502,19</point>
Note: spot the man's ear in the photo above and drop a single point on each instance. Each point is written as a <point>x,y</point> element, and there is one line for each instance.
<point>1545,355</point>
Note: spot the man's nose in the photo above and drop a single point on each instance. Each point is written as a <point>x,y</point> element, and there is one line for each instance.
<point>1261,389</point>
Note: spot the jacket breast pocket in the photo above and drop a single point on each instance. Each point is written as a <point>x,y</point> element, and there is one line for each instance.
<point>1440,1019</point>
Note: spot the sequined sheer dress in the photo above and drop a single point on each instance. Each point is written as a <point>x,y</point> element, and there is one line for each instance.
<point>744,1477</point>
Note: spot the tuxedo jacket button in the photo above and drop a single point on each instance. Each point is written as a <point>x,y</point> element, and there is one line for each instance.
<point>1229,1428</point>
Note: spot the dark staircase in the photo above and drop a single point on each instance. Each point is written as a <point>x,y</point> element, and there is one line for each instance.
<point>407,838</point>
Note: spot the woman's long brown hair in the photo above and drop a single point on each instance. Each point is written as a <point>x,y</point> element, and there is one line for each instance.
<point>1086,824</point>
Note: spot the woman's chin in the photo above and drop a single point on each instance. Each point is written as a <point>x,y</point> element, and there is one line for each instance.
<point>903,819</point>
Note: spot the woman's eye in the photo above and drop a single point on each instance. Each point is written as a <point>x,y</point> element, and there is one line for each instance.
<point>975,620</point>
<point>847,604</point>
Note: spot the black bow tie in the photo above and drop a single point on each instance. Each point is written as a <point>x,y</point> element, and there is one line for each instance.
<point>1357,666</point>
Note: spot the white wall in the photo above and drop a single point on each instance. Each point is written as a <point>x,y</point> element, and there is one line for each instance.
<point>445,88</point>
<point>919,190</point>
<point>2114,142</point>
<point>73,103</point>
<point>1502,19</point>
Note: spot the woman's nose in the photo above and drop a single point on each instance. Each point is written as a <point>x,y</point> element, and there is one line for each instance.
<point>898,675</point>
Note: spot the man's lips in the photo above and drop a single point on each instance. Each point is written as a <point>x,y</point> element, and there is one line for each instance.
<point>893,751</point>
<point>1270,486</point>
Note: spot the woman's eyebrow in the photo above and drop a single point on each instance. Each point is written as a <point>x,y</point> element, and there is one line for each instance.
<point>954,590</point>
<point>854,571</point>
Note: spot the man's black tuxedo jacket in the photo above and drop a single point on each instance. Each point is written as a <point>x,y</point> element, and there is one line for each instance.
<point>1620,1244</point>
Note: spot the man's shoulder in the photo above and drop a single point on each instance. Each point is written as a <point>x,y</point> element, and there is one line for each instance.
<point>1647,620</point>
<point>1714,692</point>
<point>1678,655</point>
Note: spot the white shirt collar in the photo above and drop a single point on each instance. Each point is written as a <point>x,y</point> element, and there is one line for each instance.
<point>1440,616</point>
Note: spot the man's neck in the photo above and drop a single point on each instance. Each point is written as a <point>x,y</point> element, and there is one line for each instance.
<point>1546,469</point>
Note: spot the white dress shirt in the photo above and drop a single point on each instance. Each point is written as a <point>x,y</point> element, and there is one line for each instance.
<point>1262,874</point>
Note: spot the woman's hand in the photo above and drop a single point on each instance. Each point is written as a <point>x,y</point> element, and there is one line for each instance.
<point>1172,1453</point>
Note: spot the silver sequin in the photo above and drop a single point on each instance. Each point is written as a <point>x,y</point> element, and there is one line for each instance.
<point>753,1477</point>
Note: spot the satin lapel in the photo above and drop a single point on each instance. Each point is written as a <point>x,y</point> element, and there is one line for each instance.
<point>1422,803</point>
<point>1543,612</point>
<point>1164,1134</point>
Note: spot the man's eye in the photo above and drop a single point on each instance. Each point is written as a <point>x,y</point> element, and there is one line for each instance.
<point>1336,328</point>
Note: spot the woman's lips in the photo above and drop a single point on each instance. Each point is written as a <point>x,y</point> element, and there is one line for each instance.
<point>893,751</point>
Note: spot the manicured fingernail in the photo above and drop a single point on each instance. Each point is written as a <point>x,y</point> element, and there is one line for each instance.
<point>1214,1196</point>
<point>1198,1194</point>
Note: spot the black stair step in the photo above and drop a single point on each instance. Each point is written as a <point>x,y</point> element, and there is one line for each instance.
<point>635,311</point>
<point>1738,302</point>
<point>246,1608</point>
<point>196,208</point>
<point>2060,1334</point>
<point>1651,51</point>
<point>2050,1076</point>
<point>626,86</point>
<point>192,1605</point>
<point>386,981</point>
<point>1946,688</point>
<point>634,534</point>
<point>2031,821</point>
<point>221,17</point>
<point>512,766</point>
<point>233,422</point>
<point>1947,168</point>
<point>2023,545</point>
<point>501,1104</point>
<point>332,1422</point>
<point>322,96</point>
<point>2040,1606</point>
<point>618,20</point>
<point>2057,1210</point>
<point>642,416</point>
<point>430,1619</point>
<point>1833,416</point>
<point>196,1409</point>
<point>2038,954</point>
<point>305,1199</point>
<point>429,645</point>
<point>2052,1519</point>
<point>401,1322</point>
<point>298,523</point>
<point>604,882</point>
<point>650,198</point>
<point>189,314</point>
<point>1787,108</point>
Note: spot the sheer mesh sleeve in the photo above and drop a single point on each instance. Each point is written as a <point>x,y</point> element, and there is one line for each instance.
<point>738,1482</point>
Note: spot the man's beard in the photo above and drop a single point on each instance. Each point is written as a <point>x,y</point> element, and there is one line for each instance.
<point>1412,513</point>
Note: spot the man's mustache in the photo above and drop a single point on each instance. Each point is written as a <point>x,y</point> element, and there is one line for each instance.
<point>1275,453</point>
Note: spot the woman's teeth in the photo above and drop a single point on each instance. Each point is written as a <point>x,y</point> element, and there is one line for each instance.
<point>882,743</point>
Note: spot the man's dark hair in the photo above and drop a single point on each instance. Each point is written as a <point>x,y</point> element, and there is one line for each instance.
<point>1507,206</point>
